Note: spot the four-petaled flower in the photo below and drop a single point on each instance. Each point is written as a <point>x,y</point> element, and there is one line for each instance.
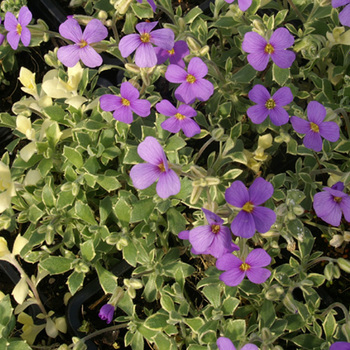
<point>181,118</point>
<point>192,83</point>
<point>17,29</point>
<point>94,32</point>
<point>242,4</point>
<point>260,50</point>
<point>145,55</point>
<point>251,217</point>
<point>125,105</point>
<point>145,174</point>
<point>252,267</point>
<point>224,343</point>
<point>340,345</point>
<point>344,15</point>
<point>214,238</point>
<point>106,313</point>
<point>175,55</point>
<point>316,127</point>
<point>269,106</point>
<point>332,203</point>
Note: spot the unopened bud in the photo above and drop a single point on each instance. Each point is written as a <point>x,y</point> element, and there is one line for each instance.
<point>336,241</point>
<point>133,68</point>
<point>204,50</point>
<point>123,242</point>
<point>198,171</point>
<point>212,181</point>
<point>217,134</point>
<point>196,193</point>
<point>193,44</point>
<point>344,264</point>
<point>289,303</point>
<point>328,271</point>
<point>291,216</point>
<point>298,210</point>
<point>135,283</point>
<point>102,15</point>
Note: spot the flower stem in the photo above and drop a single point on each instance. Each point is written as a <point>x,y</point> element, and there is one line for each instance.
<point>291,3</point>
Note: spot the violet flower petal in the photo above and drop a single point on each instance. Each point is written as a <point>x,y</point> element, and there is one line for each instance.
<point>197,68</point>
<point>141,107</point>
<point>166,108</point>
<point>68,55</point>
<point>258,275</point>
<point>340,345</point>
<point>257,113</point>
<point>212,218</point>
<point>203,89</point>
<point>188,111</point>
<point>279,116</point>
<point>243,225</point>
<point>259,94</point>
<point>264,218</point>
<point>190,127</point>
<point>316,112</point>
<point>283,96</point>
<point>128,91</point>
<point>258,60</point>
<point>345,207</point>
<point>13,39</point>
<point>337,3</point>
<point>145,27</point>
<point>168,184</point>
<point>344,16</point>
<point>94,31</point>
<point>110,102</point>
<point>283,58</point>
<point>123,114</point>
<point>329,131</point>
<point>221,243</point>
<point>145,56</point>
<point>323,202</point>
<point>185,93</point>
<point>249,347</point>
<point>201,238</point>
<point>70,29</point>
<point>281,39</point>
<point>260,191</point>
<point>301,126</point>
<point>163,38</point>
<point>128,44</point>
<point>233,277</point>
<point>244,4</point>
<point>228,262</point>
<point>162,55</point>
<point>258,258</point>
<point>175,74</point>
<point>152,152</point>
<point>24,16</point>
<point>253,42</point>
<point>225,344</point>
<point>237,194</point>
<point>313,141</point>
<point>25,36</point>
<point>172,125</point>
<point>89,57</point>
<point>144,175</point>
<point>10,22</point>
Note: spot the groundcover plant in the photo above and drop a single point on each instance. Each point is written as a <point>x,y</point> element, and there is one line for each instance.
<point>214,170</point>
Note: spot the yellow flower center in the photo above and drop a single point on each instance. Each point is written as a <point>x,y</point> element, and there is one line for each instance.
<point>171,52</point>
<point>161,167</point>
<point>270,104</point>
<point>244,267</point>
<point>82,43</point>
<point>19,29</point>
<point>190,78</point>
<point>215,228</point>
<point>179,116</point>
<point>145,37</point>
<point>269,49</point>
<point>125,102</point>
<point>314,127</point>
<point>337,199</point>
<point>248,207</point>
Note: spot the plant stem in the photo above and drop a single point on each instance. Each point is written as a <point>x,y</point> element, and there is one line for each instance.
<point>299,14</point>
<point>332,306</point>
<point>203,149</point>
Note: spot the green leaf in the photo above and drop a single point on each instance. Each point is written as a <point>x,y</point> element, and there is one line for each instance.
<point>167,302</point>
<point>88,250</point>
<point>7,320</point>
<point>280,75</point>
<point>245,74</point>
<point>55,113</point>
<point>329,326</point>
<point>130,254</point>
<point>65,198</point>
<point>267,314</point>
<point>191,16</point>
<point>176,222</point>
<point>34,213</point>
<point>175,143</point>
<point>122,210</point>
<point>73,156</point>
<point>308,341</point>
<point>235,329</point>
<point>194,323</point>
<point>75,281</point>
<point>84,212</point>
<point>48,196</point>
<point>56,264</point>
<point>142,210</point>
<point>212,293</point>
<point>157,321</point>
<point>107,280</point>
<point>109,183</point>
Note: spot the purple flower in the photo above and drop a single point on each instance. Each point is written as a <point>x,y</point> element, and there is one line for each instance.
<point>260,50</point>
<point>157,168</point>
<point>125,105</point>
<point>181,118</point>
<point>192,83</point>
<point>236,269</point>
<point>94,32</point>
<point>269,106</point>
<point>151,3</point>
<point>340,345</point>
<point>106,313</point>
<point>224,343</point>
<point>316,127</point>
<point>17,29</point>
<point>145,55</point>
<point>330,204</point>
<point>242,4</point>
<point>344,15</point>
<point>214,238</point>
<point>252,217</point>
<point>175,55</point>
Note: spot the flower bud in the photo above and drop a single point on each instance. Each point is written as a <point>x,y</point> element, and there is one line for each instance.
<point>336,241</point>
<point>289,303</point>
<point>102,15</point>
<point>198,171</point>
<point>217,134</point>
<point>135,283</point>
<point>133,68</point>
<point>122,6</point>
<point>298,210</point>
<point>193,44</point>
<point>344,264</point>
<point>196,193</point>
<point>346,236</point>
<point>123,242</point>
<point>212,181</point>
<point>204,50</point>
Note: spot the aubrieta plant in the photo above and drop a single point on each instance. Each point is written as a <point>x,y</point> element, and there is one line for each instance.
<point>191,160</point>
